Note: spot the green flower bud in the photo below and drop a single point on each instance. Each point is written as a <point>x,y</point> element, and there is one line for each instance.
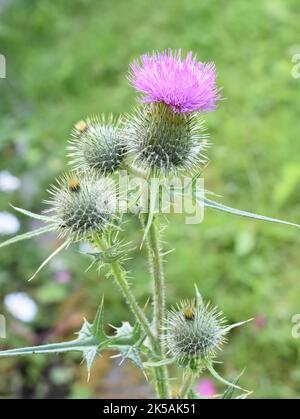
<point>96,146</point>
<point>194,332</point>
<point>82,207</point>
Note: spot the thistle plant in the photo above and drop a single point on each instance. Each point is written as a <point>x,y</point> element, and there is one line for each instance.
<point>163,138</point>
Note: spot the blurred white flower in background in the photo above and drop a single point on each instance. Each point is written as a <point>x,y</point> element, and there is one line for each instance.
<point>21,306</point>
<point>86,247</point>
<point>8,182</point>
<point>9,224</point>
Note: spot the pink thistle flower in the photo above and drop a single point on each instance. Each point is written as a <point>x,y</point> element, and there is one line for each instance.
<point>260,321</point>
<point>186,85</point>
<point>206,388</point>
<point>63,277</point>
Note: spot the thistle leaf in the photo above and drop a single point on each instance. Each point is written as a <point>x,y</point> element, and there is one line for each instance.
<point>110,255</point>
<point>97,325</point>
<point>127,335</point>
<point>90,342</point>
<point>214,373</point>
<point>72,345</point>
<point>56,251</point>
<point>27,235</point>
<point>215,205</point>
<point>133,353</point>
<point>229,392</point>
<point>31,214</point>
<point>233,326</point>
<point>125,331</point>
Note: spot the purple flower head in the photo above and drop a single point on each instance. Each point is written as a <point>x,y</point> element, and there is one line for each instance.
<point>186,85</point>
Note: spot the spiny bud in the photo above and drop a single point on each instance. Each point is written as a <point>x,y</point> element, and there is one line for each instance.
<point>165,141</point>
<point>82,207</point>
<point>194,332</point>
<point>96,146</point>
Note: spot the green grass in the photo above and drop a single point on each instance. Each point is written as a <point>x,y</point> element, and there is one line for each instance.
<point>66,60</point>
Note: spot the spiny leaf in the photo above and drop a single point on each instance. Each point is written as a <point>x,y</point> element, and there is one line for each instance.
<point>215,205</point>
<point>133,353</point>
<point>90,341</point>
<point>89,356</point>
<point>125,331</point>
<point>28,235</point>
<point>110,255</point>
<point>72,345</point>
<point>128,335</point>
<point>229,392</point>
<point>31,214</point>
<point>97,326</point>
<point>214,373</point>
<point>233,326</point>
<point>56,251</point>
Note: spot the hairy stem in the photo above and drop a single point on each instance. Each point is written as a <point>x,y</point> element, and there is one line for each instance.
<point>187,384</point>
<point>156,268</point>
<point>158,281</point>
<point>120,277</point>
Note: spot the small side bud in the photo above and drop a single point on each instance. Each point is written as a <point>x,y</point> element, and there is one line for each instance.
<point>96,146</point>
<point>82,207</point>
<point>194,333</point>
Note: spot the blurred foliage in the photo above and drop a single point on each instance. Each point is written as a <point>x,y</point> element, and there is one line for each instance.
<point>68,59</point>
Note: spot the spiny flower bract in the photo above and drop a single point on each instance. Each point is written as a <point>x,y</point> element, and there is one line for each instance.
<point>164,141</point>
<point>81,207</point>
<point>95,145</point>
<point>194,332</point>
<point>186,85</point>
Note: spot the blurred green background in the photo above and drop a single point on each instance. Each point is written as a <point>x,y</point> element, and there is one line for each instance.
<point>69,59</point>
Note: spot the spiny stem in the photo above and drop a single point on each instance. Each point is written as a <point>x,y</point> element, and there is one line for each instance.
<point>156,269</point>
<point>120,277</point>
<point>187,384</point>
<point>155,261</point>
<point>158,280</point>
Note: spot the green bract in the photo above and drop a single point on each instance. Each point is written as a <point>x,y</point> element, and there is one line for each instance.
<point>164,141</point>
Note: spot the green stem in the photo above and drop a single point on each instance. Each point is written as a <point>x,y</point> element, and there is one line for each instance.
<point>120,277</point>
<point>187,384</point>
<point>158,281</point>
<point>160,373</point>
<point>156,267</point>
<point>135,171</point>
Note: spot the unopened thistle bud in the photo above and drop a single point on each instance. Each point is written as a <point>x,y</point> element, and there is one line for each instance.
<point>165,141</point>
<point>96,146</point>
<point>194,332</point>
<point>82,207</point>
